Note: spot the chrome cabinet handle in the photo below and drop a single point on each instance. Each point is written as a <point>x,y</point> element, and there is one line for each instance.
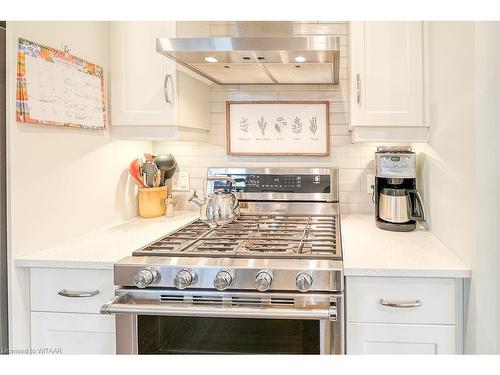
<point>358,88</point>
<point>400,305</point>
<point>77,293</point>
<point>165,88</point>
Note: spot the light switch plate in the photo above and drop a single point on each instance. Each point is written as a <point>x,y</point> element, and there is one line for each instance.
<point>370,182</point>
<point>180,181</point>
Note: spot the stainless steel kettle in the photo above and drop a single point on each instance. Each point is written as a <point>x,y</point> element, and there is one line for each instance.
<point>220,207</point>
<point>400,205</point>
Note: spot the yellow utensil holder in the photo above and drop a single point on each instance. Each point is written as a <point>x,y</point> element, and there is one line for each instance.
<point>152,201</point>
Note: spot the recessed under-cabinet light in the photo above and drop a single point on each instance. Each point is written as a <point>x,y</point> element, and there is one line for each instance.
<point>211,59</point>
<point>300,59</point>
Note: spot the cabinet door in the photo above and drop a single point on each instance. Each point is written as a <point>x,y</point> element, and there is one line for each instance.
<point>387,76</point>
<point>72,333</point>
<point>143,82</point>
<point>370,338</point>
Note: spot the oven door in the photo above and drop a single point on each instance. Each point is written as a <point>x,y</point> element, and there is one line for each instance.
<point>205,322</point>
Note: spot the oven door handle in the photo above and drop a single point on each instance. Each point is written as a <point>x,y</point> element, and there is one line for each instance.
<point>123,304</point>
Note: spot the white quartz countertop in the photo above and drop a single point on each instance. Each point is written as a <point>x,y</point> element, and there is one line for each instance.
<point>101,249</point>
<point>370,251</point>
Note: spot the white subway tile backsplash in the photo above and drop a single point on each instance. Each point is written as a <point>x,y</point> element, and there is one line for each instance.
<point>278,88</point>
<point>339,130</point>
<point>253,95</point>
<point>217,118</point>
<point>353,161</point>
<point>330,95</point>
<point>350,174</point>
<point>355,196</point>
<point>216,107</point>
<point>350,185</point>
<point>367,208</point>
<point>340,140</point>
<point>339,119</point>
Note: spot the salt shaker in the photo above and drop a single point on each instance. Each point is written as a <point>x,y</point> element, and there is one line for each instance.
<point>170,203</point>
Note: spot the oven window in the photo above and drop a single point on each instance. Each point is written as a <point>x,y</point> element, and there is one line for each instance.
<point>187,335</point>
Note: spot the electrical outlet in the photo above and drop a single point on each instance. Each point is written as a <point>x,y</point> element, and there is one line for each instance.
<point>180,181</point>
<point>370,182</point>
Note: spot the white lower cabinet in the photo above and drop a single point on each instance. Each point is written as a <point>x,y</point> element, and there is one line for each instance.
<point>370,338</point>
<point>404,315</point>
<point>65,311</point>
<point>72,333</point>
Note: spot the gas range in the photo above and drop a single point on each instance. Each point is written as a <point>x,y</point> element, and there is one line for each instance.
<point>280,259</point>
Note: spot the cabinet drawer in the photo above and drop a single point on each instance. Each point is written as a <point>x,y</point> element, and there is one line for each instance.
<point>72,333</point>
<point>46,283</point>
<point>364,294</point>
<point>363,338</point>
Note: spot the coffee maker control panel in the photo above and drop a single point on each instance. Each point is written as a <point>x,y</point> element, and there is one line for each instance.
<point>400,165</point>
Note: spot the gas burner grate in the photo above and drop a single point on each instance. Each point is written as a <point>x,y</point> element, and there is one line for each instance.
<point>254,236</point>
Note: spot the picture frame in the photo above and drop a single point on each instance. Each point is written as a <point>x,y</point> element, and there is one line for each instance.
<point>278,128</point>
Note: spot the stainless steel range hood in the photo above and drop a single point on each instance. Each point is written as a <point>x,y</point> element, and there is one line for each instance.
<point>256,60</point>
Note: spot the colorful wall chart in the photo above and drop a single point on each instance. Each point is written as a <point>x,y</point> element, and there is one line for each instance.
<point>56,88</point>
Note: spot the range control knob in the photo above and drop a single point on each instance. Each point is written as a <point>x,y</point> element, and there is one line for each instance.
<point>223,279</point>
<point>184,278</point>
<point>263,280</point>
<point>145,277</point>
<point>303,281</point>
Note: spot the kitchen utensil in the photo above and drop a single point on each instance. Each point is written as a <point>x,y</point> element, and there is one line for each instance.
<point>134,169</point>
<point>396,205</point>
<point>158,178</point>
<point>169,173</point>
<point>167,165</point>
<point>220,207</point>
<point>147,157</point>
<point>149,171</point>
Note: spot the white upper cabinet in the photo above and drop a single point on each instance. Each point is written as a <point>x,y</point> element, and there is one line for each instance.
<point>151,98</point>
<point>388,100</point>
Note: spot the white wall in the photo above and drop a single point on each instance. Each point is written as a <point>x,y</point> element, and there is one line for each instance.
<point>450,154</point>
<point>461,165</point>
<point>354,161</point>
<point>63,182</point>
<point>486,265</point>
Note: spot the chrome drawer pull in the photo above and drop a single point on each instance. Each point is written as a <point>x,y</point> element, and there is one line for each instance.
<point>401,305</point>
<point>77,293</point>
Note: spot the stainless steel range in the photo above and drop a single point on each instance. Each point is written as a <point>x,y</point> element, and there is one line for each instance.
<point>269,282</point>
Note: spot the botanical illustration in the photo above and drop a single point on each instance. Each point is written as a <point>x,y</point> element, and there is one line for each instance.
<point>262,125</point>
<point>313,126</point>
<point>277,128</point>
<point>280,124</point>
<point>297,126</point>
<point>244,124</point>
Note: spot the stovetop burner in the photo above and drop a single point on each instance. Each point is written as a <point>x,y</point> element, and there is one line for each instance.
<point>253,236</point>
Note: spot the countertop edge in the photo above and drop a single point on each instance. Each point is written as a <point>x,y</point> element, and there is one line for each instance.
<point>408,272</point>
<point>54,263</point>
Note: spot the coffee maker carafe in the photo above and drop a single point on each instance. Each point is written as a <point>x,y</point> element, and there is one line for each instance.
<point>398,205</point>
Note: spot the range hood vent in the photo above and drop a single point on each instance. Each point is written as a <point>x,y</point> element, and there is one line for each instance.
<point>258,60</point>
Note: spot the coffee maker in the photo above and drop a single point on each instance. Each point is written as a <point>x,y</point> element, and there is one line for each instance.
<point>398,205</point>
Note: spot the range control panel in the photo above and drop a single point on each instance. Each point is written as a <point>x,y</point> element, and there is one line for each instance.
<point>278,183</point>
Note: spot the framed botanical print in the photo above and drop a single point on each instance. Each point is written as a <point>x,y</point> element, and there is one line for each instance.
<point>277,128</point>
